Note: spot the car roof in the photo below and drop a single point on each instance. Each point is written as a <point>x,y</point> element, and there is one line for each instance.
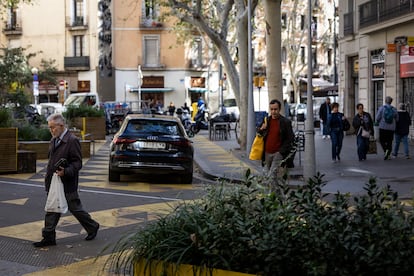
<point>152,117</point>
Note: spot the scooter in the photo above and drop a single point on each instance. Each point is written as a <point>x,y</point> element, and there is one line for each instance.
<point>185,120</point>
<point>199,122</point>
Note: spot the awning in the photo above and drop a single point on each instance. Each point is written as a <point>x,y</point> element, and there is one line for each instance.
<point>197,90</point>
<point>152,90</point>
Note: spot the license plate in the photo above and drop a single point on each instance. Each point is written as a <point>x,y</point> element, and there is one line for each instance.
<point>149,145</point>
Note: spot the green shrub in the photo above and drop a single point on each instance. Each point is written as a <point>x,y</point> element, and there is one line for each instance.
<point>82,111</point>
<point>27,132</point>
<point>5,117</point>
<point>286,232</point>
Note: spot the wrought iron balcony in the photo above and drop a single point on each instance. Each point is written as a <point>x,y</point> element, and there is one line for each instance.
<point>12,28</point>
<point>150,23</point>
<point>374,12</point>
<point>77,63</point>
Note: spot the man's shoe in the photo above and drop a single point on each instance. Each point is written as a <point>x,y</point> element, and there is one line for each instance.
<point>92,235</point>
<point>44,243</point>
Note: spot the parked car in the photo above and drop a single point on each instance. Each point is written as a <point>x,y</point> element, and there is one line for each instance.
<point>77,99</point>
<point>230,107</point>
<point>151,144</point>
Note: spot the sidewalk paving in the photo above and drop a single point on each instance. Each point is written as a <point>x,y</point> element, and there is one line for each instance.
<point>224,159</point>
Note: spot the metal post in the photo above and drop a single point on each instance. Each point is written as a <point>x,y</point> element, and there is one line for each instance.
<point>309,168</point>
<point>35,71</point>
<point>250,105</point>
<point>221,108</point>
<point>140,77</point>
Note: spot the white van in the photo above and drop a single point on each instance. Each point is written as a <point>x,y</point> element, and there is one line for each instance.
<point>230,107</point>
<point>78,99</point>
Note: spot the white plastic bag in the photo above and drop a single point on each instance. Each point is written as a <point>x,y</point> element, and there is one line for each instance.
<point>56,200</point>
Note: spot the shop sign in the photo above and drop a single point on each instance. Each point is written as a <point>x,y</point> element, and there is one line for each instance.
<point>406,63</point>
<point>391,48</point>
<point>378,71</point>
<point>153,82</point>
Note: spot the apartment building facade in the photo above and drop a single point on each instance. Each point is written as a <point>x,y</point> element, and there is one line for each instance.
<point>324,26</point>
<point>99,46</point>
<point>376,39</point>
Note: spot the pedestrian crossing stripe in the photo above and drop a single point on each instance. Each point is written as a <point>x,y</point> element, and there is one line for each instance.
<point>111,218</point>
<point>20,201</point>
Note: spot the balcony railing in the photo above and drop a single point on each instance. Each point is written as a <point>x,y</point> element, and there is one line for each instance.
<point>77,63</point>
<point>349,23</point>
<point>76,23</point>
<point>13,28</point>
<point>153,23</point>
<point>373,12</point>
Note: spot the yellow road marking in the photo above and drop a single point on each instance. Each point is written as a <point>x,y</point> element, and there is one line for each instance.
<point>110,218</point>
<point>21,201</point>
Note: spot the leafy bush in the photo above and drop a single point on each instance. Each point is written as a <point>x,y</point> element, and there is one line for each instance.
<point>82,111</point>
<point>29,132</point>
<point>288,231</point>
<point>5,117</point>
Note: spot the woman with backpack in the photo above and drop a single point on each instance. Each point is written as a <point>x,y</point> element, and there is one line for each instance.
<point>387,117</point>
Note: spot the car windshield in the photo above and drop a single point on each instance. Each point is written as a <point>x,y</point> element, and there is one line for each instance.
<point>229,102</point>
<point>152,127</point>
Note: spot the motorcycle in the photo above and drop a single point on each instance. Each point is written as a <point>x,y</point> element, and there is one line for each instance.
<point>200,121</point>
<point>185,118</point>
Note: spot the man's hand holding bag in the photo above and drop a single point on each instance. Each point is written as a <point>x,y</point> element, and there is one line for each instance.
<point>56,200</point>
<point>257,149</point>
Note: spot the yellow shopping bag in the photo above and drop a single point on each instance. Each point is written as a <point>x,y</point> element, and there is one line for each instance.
<point>257,149</point>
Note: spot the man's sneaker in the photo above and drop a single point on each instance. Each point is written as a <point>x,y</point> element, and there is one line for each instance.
<point>44,243</point>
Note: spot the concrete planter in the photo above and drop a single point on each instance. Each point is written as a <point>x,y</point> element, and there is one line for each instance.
<point>8,149</point>
<point>42,148</point>
<point>160,268</point>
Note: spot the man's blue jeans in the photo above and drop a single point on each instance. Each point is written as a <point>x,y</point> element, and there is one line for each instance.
<point>398,140</point>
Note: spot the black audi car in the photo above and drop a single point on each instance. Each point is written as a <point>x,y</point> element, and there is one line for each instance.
<point>151,144</point>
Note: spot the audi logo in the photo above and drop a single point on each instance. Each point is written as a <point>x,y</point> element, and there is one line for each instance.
<point>152,138</point>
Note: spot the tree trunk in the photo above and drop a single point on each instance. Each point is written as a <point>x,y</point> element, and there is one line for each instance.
<point>273,50</point>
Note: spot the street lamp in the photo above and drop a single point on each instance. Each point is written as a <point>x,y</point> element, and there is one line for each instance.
<point>35,72</point>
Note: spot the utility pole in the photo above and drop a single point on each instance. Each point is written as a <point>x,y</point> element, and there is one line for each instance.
<point>309,167</point>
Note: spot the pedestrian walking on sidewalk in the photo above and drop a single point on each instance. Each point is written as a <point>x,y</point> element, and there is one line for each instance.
<point>387,117</point>
<point>65,145</point>
<point>335,127</point>
<point>278,143</point>
<point>324,111</point>
<point>364,128</point>
<point>402,129</point>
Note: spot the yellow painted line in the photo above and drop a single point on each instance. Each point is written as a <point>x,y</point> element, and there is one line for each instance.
<point>92,267</point>
<point>21,201</point>
<point>110,218</point>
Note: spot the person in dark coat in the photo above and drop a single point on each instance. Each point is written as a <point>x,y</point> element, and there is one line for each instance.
<point>278,142</point>
<point>65,145</point>
<point>335,127</point>
<point>402,129</point>
<point>362,120</point>
<point>324,111</point>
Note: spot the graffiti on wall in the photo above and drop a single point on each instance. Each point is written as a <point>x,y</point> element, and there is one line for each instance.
<point>105,38</point>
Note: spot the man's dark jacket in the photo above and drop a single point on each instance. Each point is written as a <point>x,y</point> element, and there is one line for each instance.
<point>287,138</point>
<point>70,149</point>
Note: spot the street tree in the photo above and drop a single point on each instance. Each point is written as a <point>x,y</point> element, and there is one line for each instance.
<point>273,49</point>
<point>215,19</point>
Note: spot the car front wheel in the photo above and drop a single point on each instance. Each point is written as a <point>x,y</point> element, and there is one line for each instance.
<point>114,176</point>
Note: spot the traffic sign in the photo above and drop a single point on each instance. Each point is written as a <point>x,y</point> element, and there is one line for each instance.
<point>62,85</point>
<point>411,51</point>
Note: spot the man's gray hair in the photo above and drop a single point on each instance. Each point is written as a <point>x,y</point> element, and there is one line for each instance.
<point>57,118</point>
